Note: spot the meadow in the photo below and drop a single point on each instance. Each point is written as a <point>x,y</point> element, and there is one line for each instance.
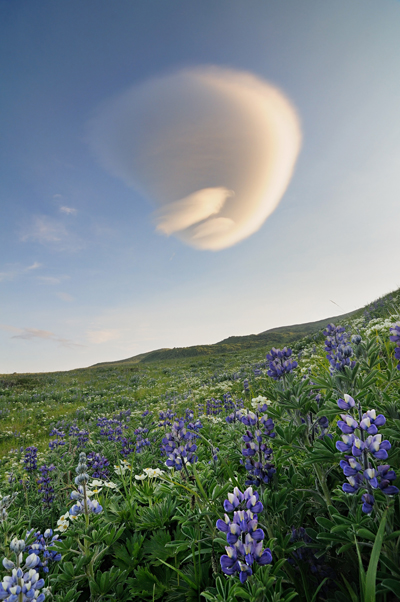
<point>258,474</point>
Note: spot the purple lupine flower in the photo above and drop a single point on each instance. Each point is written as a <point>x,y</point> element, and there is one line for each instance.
<point>385,473</point>
<point>82,438</point>
<point>249,419</point>
<point>346,444</point>
<point>346,403</point>
<point>368,503</point>
<point>339,351</point>
<point>233,500</point>
<point>97,465</point>
<point>128,447</point>
<point>347,425</point>
<point>45,486</point>
<point>229,561</point>
<point>371,478</point>
<point>370,421</point>
<point>395,338</point>
<point>387,488</point>
<point>30,459</point>
<point>395,333</point>
<point>350,466</point>
<point>59,438</point>
<point>353,485</point>
<point>179,444</point>
<point>243,535</point>
<point>141,440</point>
<point>43,547</point>
<point>322,426</point>
<point>256,452</point>
<point>377,447</point>
<point>279,363</point>
<point>357,447</point>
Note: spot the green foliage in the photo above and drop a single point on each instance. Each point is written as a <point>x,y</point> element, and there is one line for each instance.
<point>156,537</point>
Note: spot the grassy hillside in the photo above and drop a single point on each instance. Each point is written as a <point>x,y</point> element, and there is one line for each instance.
<point>275,337</point>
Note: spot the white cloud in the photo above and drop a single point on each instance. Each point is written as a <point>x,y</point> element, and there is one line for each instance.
<point>17,270</point>
<point>102,336</point>
<point>194,208</point>
<point>224,142</point>
<point>52,279</point>
<point>50,232</point>
<point>44,229</point>
<point>7,276</point>
<point>30,334</point>
<point>68,210</point>
<point>34,266</point>
<point>65,297</point>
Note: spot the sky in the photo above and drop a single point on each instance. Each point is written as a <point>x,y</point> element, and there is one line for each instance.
<point>174,173</point>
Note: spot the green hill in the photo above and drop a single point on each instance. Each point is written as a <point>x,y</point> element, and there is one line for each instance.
<point>275,337</point>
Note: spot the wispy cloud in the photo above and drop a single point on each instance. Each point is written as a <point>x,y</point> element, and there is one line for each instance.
<point>52,279</point>
<point>65,297</point>
<point>17,270</point>
<point>34,266</point>
<point>49,231</point>
<point>30,334</point>
<point>68,210</point>
<point>103,336</point>
<point>6,276</point>
<point>44,229</point>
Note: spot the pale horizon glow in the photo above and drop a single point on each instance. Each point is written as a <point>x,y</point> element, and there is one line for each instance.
<point>213,148</point>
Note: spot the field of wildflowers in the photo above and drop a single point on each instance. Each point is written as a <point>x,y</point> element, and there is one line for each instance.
<point>261,476</point>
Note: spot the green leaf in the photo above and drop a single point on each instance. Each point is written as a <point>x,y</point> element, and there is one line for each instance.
<point>366,534</point>
<point>392,585</point>
<point>156,547</point>
<point>370,581</point>
<point>324,522</point>
<point>182,575</point>
<point>318,588</point>
<point>344,548</point>
<point>145,582</point>
<point>353,595</point>
<point>331,537</point>
<point>340,529</point>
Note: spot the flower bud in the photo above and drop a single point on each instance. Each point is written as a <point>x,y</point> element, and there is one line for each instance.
<point>8,564</point>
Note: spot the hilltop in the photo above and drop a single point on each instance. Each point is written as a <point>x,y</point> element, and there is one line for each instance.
<point>274,337</point>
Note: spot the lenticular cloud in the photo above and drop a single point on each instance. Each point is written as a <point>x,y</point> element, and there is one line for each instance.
<point>214,149</point>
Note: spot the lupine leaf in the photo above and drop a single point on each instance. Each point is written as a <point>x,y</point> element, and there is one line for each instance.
<point>392,585</point>
<point>366,534</point>
<point>324,522</point>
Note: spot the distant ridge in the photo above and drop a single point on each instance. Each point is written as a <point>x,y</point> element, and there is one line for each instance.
<point>280,336</point>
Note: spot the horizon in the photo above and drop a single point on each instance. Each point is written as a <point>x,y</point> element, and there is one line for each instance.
<point>175,175</point>
<point>119,361</point>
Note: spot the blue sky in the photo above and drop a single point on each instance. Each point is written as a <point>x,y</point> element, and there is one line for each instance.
<point>84,275</point>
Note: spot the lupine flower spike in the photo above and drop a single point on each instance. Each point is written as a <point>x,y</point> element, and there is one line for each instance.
<point>243,535</point>
<point>24,583</point>
<point>84,505</point>
<point>279,362</point>
<point>362,440</point>
<point>395,338</point>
